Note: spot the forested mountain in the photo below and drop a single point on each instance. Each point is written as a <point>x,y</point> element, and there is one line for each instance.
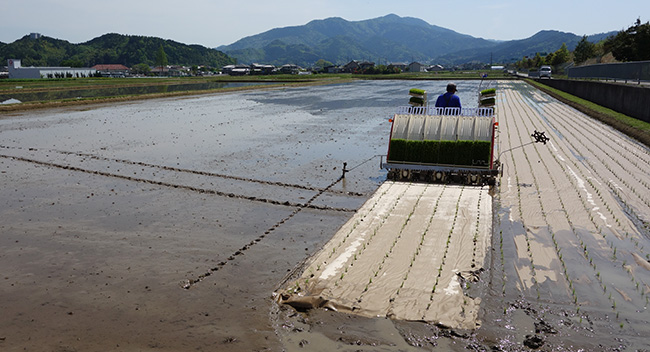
<point>543,42</point>
<point>109,49</point>
<point>388,39</point>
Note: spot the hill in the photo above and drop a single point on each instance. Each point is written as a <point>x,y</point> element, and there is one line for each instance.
<point>110,48</point>
<point>388,39</point>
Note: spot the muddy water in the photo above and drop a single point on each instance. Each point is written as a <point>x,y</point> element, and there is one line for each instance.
<point>167,225</point>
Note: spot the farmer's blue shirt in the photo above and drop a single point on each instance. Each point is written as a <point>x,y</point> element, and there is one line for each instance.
<point>448,100</point>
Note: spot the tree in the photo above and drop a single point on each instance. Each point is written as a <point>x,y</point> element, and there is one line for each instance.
<point>561,56</point>
<point>72,63</point>
<point>548,59</point>
<point>141,69</point>
<point>584,50</point>
<point>161,58</point>
<point>538,60</point>
<point>322,63</point>
<point>632,44</point>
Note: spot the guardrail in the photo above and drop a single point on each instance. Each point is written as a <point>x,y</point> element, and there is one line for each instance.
<point>638,71</point>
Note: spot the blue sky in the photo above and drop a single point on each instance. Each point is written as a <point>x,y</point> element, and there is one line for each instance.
<point>212,23</point>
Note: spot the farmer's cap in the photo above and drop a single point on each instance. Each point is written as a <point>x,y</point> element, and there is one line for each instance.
<point>451,88</point>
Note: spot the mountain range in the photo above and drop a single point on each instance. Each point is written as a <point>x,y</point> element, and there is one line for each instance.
<point>388,39</point>
<point>111,48</point>
<point>383,40</point>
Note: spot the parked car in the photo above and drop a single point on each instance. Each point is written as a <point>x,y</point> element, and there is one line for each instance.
<point>545,71</point>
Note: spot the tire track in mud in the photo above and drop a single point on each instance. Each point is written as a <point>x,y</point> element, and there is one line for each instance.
<point>183,170</point>
<point>189,283</point>
<point>185,187</point>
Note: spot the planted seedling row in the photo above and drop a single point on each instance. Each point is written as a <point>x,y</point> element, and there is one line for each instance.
<point>366,241</point>
<point>418,249</point>
<point>498,201</point>
<point>576,234</point>
<point>321,260</point>
<point>583,245</point>
<point>638,284</point>
<point>643,190</point>
<point>614,190</point>
<point>539,199</point>
<point>444,255</point>
<point>477,233</point>
<point>518,188</point>
<point>519,199</point>
<point>641,155</point>
<point>379,267</point>
<point>627,203</point>
<point>361,218</point>
<point>615,173</point>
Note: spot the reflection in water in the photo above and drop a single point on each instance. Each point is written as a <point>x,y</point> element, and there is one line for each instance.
<point>16,97</point>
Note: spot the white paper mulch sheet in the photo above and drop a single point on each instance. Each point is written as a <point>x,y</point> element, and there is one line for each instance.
<point>406,254</point>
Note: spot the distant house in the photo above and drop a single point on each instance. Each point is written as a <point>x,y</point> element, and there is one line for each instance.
<point>416,67</point>
<point>434,68</point>
<point>227,69</point>
<point>290,68</point>
<point>366,65</point>
<point>332,69</point>
<point>236,70</point>
<point>17,71</point>
<point>351,67</point>
<point>355,66</point>
<point>257,69</point>
<point>112,70</point>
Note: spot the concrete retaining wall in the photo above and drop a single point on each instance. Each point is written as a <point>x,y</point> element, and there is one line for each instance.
<point>631,100</point>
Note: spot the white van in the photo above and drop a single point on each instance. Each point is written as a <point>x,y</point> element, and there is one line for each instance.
<point>545,71</point>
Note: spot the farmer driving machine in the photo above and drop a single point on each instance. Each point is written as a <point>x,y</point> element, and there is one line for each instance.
<point>443,145</point>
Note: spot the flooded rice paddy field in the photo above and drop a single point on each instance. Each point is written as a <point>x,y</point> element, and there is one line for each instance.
<point>13,96</point>
<point>168,224</point>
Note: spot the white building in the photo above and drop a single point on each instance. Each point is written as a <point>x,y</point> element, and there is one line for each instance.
<point>17,71</point>
<point>416,67</point>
